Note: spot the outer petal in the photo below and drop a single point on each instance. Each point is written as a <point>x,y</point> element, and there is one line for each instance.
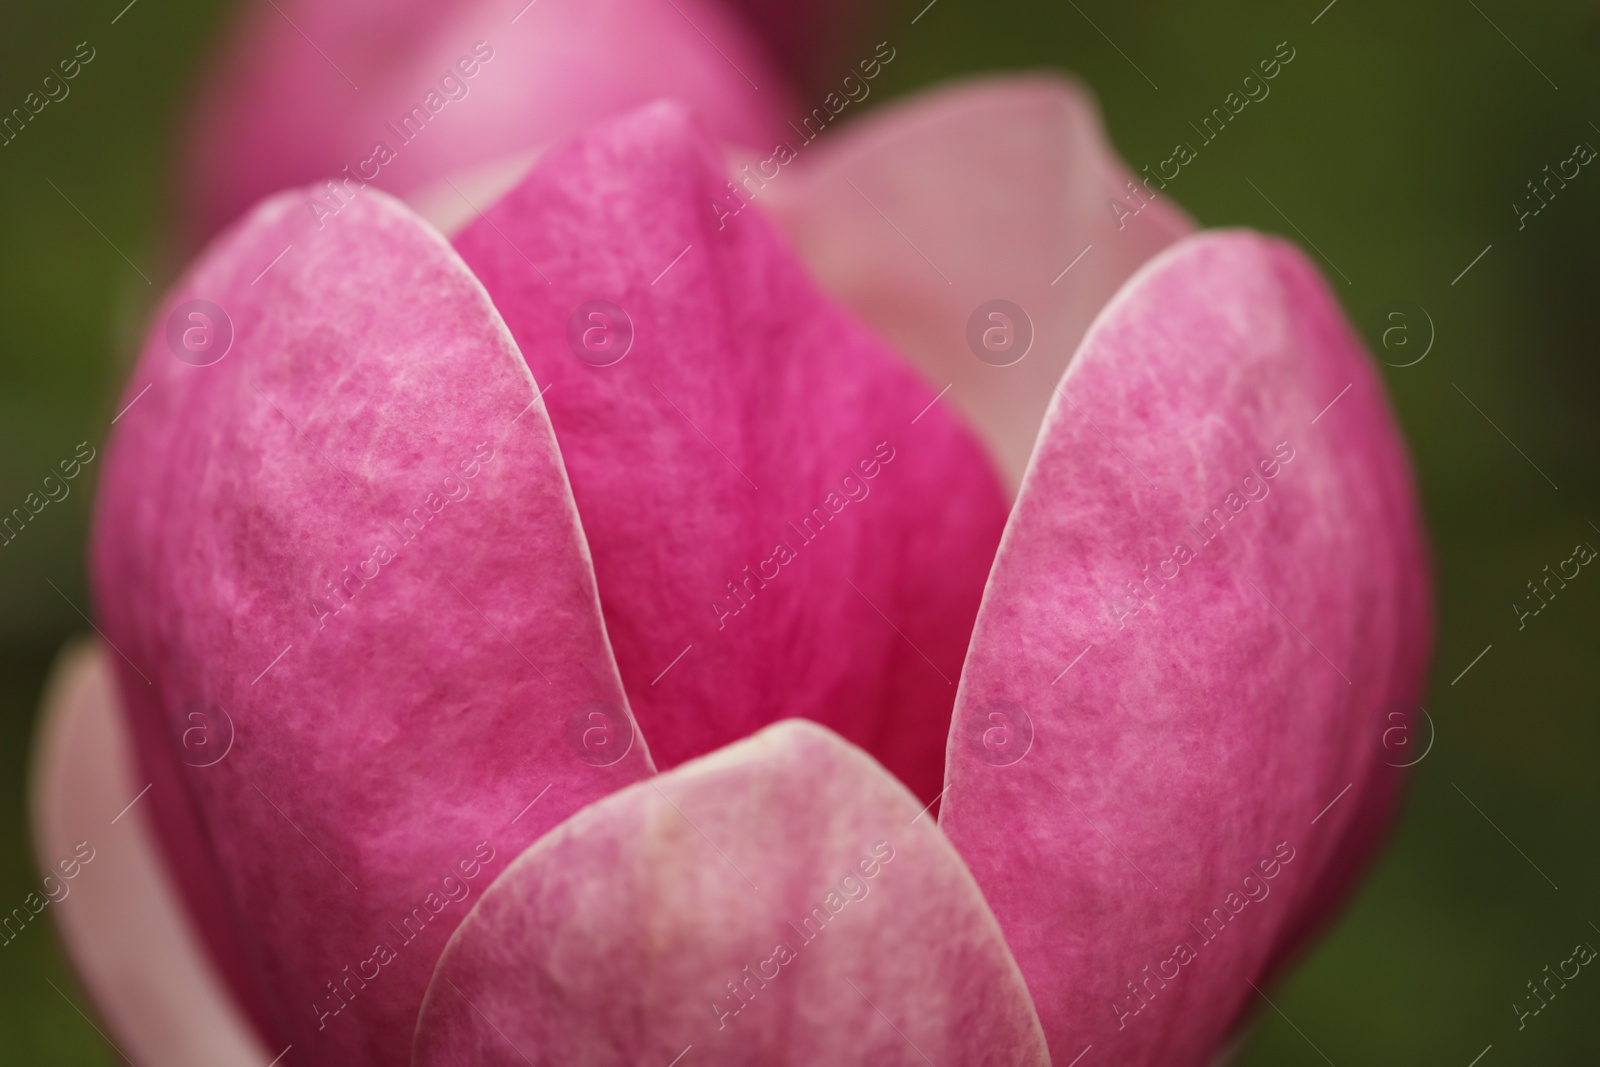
<point>986,190</point>
<point>779,901</point>
<point>781,524</point>
<point>1212,586</point>
<point>353,536</point>
<point>112,898</point>
<point>283,108</point>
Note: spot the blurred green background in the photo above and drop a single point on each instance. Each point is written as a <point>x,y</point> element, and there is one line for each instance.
<point>1397,141</point>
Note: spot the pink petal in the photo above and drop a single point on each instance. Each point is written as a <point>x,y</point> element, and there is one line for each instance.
<point>282,108</point>
<point>747,403</point>
<point>395,729</point>
<point>653,920</point>
<point>921,214</point>
<point>109,893</point>
<point>1190,721</point>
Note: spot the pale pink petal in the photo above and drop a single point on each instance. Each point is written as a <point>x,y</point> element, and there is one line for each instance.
<point>1146,734</point>
<point>305,88</point>
<point>107,888</point>
<point>783,521</point>
<point>395,710</point>
<point>986,190</point>
<point>779,901</point>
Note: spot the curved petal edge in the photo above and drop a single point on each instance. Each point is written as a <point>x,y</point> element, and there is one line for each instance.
<point>337,528</point>
<point>782,900</point>
<point>1211,596</point>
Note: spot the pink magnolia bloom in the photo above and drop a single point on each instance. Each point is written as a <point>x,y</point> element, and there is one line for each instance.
<point>406,95</point>
<point>547,644</point>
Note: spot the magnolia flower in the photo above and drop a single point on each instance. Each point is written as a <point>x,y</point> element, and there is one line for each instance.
<point>407,96</point>
<point>363,91</point>
<point>881,605</point>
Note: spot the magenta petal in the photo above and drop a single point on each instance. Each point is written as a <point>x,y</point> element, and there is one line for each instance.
<point>819,41</point>
<point>284,109</point>
<point>780,901</point>
<point>349,545</point>
<point>783,522</point>
<point>1191,710</point>
<point>1003,188</point>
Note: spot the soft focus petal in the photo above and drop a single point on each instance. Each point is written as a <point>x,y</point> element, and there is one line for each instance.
<point>112,899</point>
<point>779,901</point>
<point>308,87</point>
<point>781,524</point>
<point>354,536</point>
<point>983,191</point>
<point>818,41</point>
<point>1191,710</point>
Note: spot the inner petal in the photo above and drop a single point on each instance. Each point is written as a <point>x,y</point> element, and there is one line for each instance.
<point>991,218</point>
<point>783,521</point>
